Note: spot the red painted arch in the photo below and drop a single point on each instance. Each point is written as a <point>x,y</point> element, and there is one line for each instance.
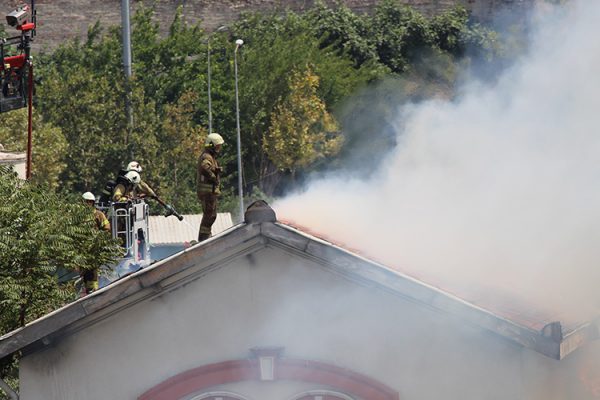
<point>204,377</point>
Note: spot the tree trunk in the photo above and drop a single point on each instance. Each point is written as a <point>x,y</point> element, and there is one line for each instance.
<point>270,178</point>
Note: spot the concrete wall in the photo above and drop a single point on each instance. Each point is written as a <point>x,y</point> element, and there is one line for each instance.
<point>21,169</point>
<point>18,165</point>
<point>273,299</point>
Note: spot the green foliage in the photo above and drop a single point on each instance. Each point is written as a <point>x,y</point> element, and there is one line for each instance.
<point>49,145</point>
<point>83,90</point>
<point>345,31</point>
<point>302,130</point>
<point>400,34</point>
<point>41,231</point>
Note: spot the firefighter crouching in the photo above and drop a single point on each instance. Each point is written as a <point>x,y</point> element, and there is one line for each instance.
<point>124,190</point>
<point>90,276</point>
<point>142,189</point>
<point>208,183</point>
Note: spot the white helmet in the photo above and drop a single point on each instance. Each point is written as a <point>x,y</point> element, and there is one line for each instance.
<point>133,177</point>
<point>134,166</point>
<point>89,196</point>
<point>213,139</point>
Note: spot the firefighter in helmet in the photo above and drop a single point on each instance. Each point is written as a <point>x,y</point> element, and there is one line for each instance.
<point>90,276</point>
<point>142,189</point>
<point>208,183</point>
<point>124,190</point>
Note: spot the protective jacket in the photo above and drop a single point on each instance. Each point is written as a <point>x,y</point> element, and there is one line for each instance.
<point>208,176</point>
<point>122,193</point>
<point>101,220</point>
<point>145,189</point>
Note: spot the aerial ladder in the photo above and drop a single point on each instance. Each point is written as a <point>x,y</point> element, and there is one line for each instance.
<point>129,223</point>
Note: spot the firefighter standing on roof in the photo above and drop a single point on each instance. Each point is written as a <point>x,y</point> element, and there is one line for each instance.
<point>90,276</point>
<point>208,183</point>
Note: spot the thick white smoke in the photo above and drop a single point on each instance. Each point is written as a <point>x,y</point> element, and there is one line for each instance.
<point>499,189</point>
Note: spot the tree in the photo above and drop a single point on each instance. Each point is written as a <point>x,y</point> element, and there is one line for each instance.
<point>83,88</point>
<point>49,145</point>
<point>182,141</point>
<point>41,232</point>
<point>346,32</point>
<point>302,131</point>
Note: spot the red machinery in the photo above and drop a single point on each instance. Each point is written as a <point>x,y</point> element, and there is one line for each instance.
<point>16,70</point>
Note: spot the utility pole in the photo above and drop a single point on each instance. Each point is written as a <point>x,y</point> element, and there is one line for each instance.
<point>209,94</point>
<point>126,37</point>
<point>238,44</point>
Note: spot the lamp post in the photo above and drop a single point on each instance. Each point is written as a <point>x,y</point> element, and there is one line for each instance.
<point>238,44</point>
<point>126,39</point>
<point>209,101</point>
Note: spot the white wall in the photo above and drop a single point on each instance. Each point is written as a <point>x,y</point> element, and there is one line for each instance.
<point>273,299</point>
<point>21,169</point>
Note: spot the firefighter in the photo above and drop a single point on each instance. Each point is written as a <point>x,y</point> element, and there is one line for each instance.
<point>142,187</point>
<point>101,220</point>
<point>208,183</point>
<point>124,190</point>
<point>90,276</point>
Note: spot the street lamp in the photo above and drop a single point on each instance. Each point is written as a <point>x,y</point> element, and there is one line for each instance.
<point>209,101</point>
<point>238,44</point>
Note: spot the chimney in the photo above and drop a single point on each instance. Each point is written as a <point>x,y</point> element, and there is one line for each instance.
<point>553,330</point>
<point>258,212</point>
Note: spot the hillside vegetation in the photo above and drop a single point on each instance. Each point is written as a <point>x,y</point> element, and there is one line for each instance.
<point>300,79</point>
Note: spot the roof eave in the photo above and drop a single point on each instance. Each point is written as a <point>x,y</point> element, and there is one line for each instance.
<point>362,269</point>
<point>126,292</point>
<point>245,238</point>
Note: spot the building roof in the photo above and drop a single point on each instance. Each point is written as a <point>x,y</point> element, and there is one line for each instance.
<point>261,230</point>
<point>520,310</point>
<point>171,231</point>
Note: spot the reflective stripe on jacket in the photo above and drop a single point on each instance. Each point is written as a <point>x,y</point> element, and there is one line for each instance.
<point>121,193</point>
<point>207,178</point>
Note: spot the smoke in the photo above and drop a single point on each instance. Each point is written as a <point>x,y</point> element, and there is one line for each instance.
<point>497,191</point>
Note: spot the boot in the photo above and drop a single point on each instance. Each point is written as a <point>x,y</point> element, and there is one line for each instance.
<point>203,236</point>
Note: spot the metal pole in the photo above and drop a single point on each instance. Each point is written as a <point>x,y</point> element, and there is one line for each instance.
<point>238,43</point>
<point>126,37</point>
<point>29,119</point>
<point>28,38</point>
<point>209,99</point>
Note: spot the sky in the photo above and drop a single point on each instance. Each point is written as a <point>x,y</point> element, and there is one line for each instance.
<point>497,190</point>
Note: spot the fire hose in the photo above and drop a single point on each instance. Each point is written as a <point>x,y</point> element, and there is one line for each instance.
<point>170,210</point>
